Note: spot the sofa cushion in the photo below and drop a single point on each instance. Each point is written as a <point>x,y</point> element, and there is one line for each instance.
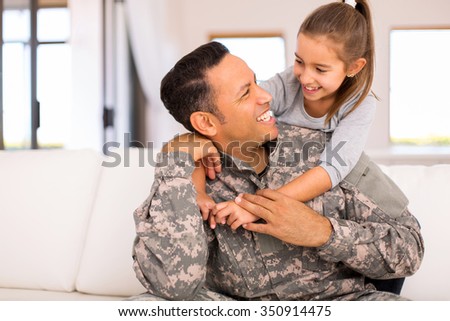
<point>427,188</point>
<point>46,199</point>
<point>106,266</point>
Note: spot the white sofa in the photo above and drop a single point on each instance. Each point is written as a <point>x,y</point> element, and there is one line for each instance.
<point>66,224</point>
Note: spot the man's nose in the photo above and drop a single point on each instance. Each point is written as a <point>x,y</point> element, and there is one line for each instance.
<point>264,97</point>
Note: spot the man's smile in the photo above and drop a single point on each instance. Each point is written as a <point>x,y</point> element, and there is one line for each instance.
<point>265,117</point>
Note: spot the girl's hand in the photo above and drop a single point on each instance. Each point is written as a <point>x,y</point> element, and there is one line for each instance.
<point>206,204</point>
<point>212,164</point>
<point>232,214</point>
<point>198,146</point>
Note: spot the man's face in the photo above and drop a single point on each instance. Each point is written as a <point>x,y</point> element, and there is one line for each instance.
<point>244,105</point>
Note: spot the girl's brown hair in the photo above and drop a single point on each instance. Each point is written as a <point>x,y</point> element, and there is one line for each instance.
<point>351,29</point>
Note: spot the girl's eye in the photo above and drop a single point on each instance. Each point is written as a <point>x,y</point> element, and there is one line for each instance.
<point>298,61</point>
<point>321,70</point>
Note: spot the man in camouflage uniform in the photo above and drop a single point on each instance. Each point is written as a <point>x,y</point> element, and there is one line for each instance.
<point>354,231</point>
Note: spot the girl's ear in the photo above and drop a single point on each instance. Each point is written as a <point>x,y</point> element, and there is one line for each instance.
<point>356,67</point>
<point>204,123</point>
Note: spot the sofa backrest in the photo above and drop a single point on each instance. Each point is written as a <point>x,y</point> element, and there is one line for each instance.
<point>106,266</point>
<point>46,199</point>
<point>428,191</point>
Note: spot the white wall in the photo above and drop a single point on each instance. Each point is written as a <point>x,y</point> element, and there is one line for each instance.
<point>200,18</point>
<point>87,98</point>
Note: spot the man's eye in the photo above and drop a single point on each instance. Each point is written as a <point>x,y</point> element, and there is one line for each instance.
<point>247,92</point>
<point>321,70</point>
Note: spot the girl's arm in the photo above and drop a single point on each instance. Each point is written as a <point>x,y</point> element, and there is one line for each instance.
<point>309,185</point>
<point>204,202</point>
<point>340,155</point>
<point>344,148</point>
<point>204,153</point>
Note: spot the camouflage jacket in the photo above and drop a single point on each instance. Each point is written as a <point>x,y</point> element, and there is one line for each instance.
<point>176,254</point>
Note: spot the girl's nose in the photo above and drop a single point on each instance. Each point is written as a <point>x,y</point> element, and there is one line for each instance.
<point>306,78</point>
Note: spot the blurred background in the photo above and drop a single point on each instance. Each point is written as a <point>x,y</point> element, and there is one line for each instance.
<point>81,73</point>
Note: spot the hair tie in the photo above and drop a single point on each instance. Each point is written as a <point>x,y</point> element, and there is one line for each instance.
<point>353,3</point>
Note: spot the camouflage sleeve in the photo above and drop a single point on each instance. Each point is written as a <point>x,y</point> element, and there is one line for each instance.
<point>378,236</point>
<point>382,250</point>
<point>170,249</point>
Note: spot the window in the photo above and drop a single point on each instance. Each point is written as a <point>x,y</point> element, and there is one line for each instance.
<point>53,76</point>
<point>264,54</point>
<point>419,86</point>
<point>16,78</point>
<point>36,74</point>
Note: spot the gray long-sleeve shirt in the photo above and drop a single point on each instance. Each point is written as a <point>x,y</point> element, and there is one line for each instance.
<point>349,131</point>
<point>176,254</point>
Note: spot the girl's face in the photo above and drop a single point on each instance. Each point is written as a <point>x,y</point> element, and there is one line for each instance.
<point>318,68</point>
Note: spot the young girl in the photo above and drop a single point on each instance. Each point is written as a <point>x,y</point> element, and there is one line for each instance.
<point>328,89</point>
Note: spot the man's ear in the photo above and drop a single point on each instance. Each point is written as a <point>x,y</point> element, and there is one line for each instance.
<point>204,123</point>
<point>356,67</point>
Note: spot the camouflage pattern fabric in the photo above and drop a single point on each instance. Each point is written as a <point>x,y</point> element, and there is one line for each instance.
<point>177,256</point>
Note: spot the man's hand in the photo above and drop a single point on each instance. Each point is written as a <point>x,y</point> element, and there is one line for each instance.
<point>200,148</point>
<point>286,219</point>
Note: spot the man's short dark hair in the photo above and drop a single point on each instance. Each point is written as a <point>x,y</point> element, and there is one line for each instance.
<point>185,89</point>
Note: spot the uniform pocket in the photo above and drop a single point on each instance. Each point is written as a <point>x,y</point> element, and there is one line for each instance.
<point>379,188</point>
